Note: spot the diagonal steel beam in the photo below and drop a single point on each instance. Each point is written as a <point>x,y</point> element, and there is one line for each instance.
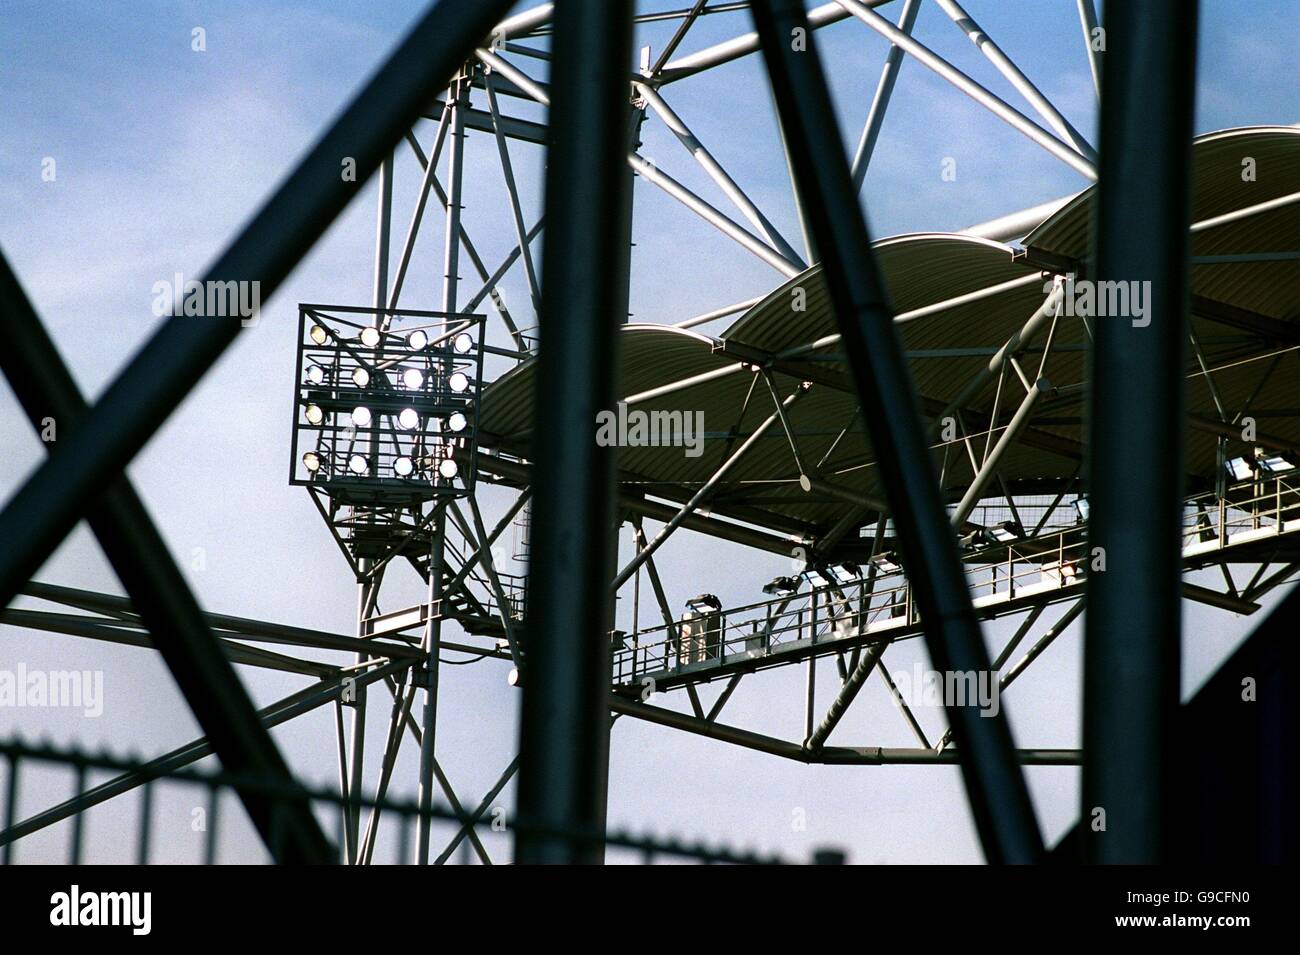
<point>157,380</point>
<point>508,173</point>
<point>844,699</point>
<point>675,41</point>
<point>706,489</point>
<point>467,827</point>
<point>991,459</point>
<point>715,217</point>
<point>880,101</point>
<point>1088,21</point>
<point>998,796</point>
<point>1004,65</point>
<point>115,631</point>
<point>747,43</point>
<point>168,609</point>
<point>994,104</point>
<point>769,232</point>
<point>225,625</point>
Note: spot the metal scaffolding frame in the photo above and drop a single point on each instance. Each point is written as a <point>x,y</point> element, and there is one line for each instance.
<point>465,68</point>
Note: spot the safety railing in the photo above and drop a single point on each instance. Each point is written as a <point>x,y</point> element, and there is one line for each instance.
<point>880,600</point>
<point>514,587</point>
<point>1246,512</point>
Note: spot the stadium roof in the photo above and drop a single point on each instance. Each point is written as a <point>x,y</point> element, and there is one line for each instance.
<point>958,299</point>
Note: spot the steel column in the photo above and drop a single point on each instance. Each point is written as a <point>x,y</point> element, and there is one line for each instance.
<point>432,647</point>
<point>564,729</point>
<point>1135,478</point>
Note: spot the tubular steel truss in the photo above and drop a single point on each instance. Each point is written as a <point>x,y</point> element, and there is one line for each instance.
<point>932,537</point>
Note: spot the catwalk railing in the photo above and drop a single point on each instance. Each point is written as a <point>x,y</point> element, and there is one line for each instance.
<point>215,788</point>
<point>878,604</point>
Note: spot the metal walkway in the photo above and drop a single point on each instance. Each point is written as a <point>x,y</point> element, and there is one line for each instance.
<point>1256,524</point>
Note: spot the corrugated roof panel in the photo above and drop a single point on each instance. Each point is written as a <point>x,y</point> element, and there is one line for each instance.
<point>945,348</point>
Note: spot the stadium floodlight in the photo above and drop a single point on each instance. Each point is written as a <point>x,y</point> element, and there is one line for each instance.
<point>781,586</point>
<point>1276,463</point>
<point>1081,508</point>
<point>819,577</point>
<point>704,603</point>
<point>412,376</point>
<point>1003,533</point>
<point>886,564</point>
<point>1240,469</point>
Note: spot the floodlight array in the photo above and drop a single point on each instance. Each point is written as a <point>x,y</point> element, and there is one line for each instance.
<point>387,400</point>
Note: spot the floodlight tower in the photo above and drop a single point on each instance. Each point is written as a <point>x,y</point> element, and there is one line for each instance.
<point>384,437</point>
<point>386,421</point>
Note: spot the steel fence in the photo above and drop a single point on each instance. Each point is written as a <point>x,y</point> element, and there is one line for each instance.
<point>214,784</point>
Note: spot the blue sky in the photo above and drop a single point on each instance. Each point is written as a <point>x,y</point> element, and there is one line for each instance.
<point>161,152</point>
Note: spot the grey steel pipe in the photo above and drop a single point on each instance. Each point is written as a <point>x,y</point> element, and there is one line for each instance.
<point>678,128</point>
<point>1004,65</point>
<point>844,699</point>
<point>996,105</point>
<point>1136,421</point>
<point>1042,316</point>
<point>564,725</point>
<point>880,101</point>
